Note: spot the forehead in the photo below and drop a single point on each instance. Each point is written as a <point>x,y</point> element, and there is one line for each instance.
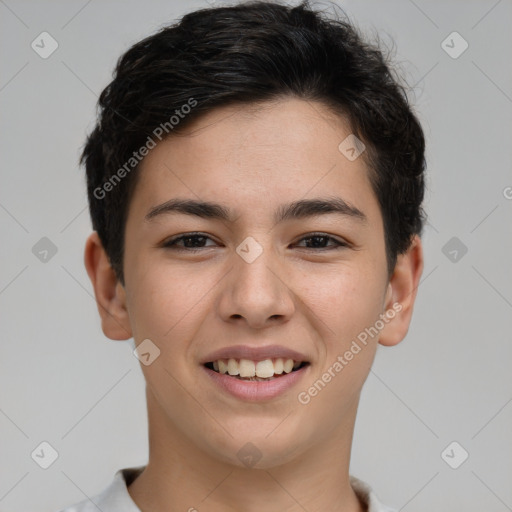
<point>255,156</point>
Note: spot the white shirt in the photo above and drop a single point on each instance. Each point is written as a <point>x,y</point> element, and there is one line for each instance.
<point>115,497</point>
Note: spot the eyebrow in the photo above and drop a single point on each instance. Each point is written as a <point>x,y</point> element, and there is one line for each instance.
<point>295,210</point>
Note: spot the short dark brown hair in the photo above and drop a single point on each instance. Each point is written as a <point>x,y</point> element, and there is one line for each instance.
<point>250,53</point>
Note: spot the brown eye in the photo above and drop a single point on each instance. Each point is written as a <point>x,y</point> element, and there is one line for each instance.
<point>191,241</point>
<point>318,241</point>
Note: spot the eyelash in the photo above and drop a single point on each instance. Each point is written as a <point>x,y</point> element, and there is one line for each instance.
<point>171,244</point>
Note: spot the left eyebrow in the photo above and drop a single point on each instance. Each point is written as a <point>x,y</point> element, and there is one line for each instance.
<point>295,210</point>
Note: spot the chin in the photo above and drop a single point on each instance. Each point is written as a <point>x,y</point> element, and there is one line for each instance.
<point>259,450</point>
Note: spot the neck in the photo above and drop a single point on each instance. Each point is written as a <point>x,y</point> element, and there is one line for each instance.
<point>182,476</point>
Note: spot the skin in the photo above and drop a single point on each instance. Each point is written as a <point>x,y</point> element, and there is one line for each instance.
<point>312,300</point>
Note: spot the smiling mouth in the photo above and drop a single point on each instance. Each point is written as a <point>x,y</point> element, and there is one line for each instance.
<point>257,371</point>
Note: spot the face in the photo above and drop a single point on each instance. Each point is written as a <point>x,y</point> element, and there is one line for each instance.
<point>206,285</point>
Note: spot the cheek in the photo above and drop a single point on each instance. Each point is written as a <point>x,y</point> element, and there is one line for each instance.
<point>163,300</point>
<point>345,304</point>
<point>346,299</point>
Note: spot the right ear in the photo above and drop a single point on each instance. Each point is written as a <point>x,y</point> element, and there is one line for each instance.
<point>110,293</point>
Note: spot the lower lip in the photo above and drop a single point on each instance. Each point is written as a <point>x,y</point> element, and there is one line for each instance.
<point>255,391</point>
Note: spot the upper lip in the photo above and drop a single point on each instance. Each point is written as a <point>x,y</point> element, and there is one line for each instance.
<point>259,353</point>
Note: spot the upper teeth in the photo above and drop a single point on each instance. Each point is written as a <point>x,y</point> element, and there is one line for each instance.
<point>262,369</point>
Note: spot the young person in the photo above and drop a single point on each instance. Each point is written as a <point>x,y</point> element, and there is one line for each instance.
<point>255,183</point>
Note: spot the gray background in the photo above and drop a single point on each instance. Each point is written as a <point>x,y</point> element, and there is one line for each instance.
<point>63,382</point>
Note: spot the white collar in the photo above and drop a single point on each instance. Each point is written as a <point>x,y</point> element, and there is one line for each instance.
<point>116,498</point>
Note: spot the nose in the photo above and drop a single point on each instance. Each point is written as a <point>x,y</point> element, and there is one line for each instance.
<point>257,292</point>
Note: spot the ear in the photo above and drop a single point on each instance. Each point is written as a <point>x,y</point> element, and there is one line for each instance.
<point>401,294</point>
<point>109,292</point>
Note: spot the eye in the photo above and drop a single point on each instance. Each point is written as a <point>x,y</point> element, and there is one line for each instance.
<point>191,242</point>
<point>319,239</point>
